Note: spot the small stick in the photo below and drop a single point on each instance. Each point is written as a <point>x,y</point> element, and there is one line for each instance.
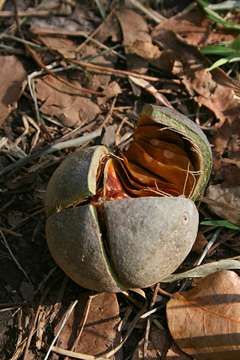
<point>75,355</point>
<point>51,149</point>
<point>148,12</point>
<point>100,8</point>
<point>70,310</point>
<point>10,232</point>
<point>5,243</point>
<point>84,320</point>
<point>28,13</point>
<point>202,257</point>
<point>108,70</point>
<point>208,246</point>
<point>148,325</point>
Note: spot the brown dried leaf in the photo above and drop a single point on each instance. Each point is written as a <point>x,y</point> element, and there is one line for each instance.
<point>100,331</point>
<point>62,45</point>
<point>159,346</point>
<point>206,87</point>
<point>200,243</point>
<point>205,321</point>
<point>191,67</point>
<point>160,98</point>
<point>80,19</point>
<point>113,89</point>
<point>109,29</point>
<point>136,38</point>
<point>98,81</point>
<point>195,28</point>
<point>64,102</point>
<point>224,201</point>
<point>11,84</point>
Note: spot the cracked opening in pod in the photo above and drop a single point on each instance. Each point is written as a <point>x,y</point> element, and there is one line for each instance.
<point>158,162</point>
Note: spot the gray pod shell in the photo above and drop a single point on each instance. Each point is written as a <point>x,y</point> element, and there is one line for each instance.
<point>145,240</point>
<point>135,242</point>
<point>75,179</point>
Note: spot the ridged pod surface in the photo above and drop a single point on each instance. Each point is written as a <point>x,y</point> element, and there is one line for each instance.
<point>112,243</point>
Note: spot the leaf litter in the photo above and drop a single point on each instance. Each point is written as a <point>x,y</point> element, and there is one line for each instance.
<point>160,346</point>
<point>11,86</point>
<point>90,79</point>
<point>63,102</point>
<point>92,328</point>
<point>205,321</point>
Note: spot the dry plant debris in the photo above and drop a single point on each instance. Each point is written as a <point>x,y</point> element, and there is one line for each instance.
<point>224,201</point>
<point>75,74</point>
<point>94,324</point>
<point>136,37</point>
<point>65,102</point>
<point>61,45</point>
<point>205,321</point>
<point>160,345</point>
<point>13,77</point>
<point>195,28</point>
<point>192,68</point>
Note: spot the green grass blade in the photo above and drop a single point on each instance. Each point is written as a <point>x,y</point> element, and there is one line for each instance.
<point>221,223</point>
<point>214,16</point>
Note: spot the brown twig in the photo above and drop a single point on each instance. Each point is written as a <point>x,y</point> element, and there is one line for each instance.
<point>16,15</point>
<point>28,13</point>
<point>107,70</point>
<point>5,243</point>
<point>148,325</point>
<point>107,355</point>
<point>83,323</point>
<point>10,232</point>
<point>68,313</point>
<point>51,149</point>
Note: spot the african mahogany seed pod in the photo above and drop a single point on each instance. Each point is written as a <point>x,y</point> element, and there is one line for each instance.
<point>113,241</point>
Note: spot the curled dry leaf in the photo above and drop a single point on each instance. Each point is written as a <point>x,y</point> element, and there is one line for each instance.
<point>113,89</point>
<point>11,85</point>
<point>100,332</point>
<point>62,45</point>
<point>159,346</point>
<point>136,37</point>
<point>160,98</point>
<point>205,321</point>
<point>98,81</point>
<point>109,29</point>
<point>136,40</point>
<point>224,201</point>
<point>65,102</point>
<point>208,88</point>
<point>195,28</point>
<point>191,67</point>
<point>200,243</point>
